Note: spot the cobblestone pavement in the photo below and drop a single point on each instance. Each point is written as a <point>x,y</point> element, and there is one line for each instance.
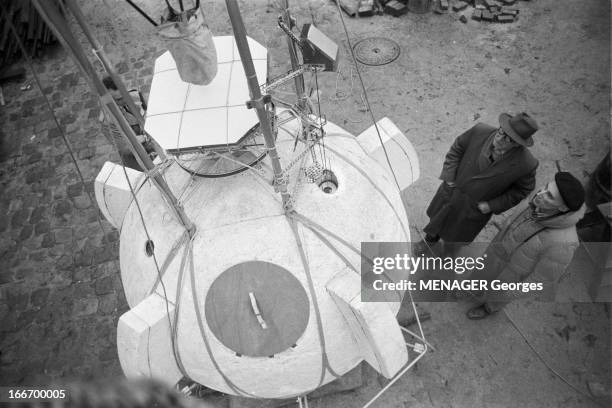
<point>60,289</point>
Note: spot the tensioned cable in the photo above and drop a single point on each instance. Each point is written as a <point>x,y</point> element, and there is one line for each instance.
<point>315,228</point>
<point>377,130</point>
<point>51,110</point>
<point>159,280</point>
<point>365,175</point>
<point>578,390</point>
<point>325,365</point>
<point>324,158</point>
<point>142,13</point>
<point>365,94</point>
<point>108,114</point>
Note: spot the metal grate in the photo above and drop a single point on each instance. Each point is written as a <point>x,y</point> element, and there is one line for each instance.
<point>376,51</point>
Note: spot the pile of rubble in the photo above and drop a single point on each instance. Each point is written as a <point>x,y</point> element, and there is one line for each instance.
<point>366,8</point>
<point>483,10</point>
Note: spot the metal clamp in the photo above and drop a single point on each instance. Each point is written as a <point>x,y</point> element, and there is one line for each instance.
<point>259,103</point>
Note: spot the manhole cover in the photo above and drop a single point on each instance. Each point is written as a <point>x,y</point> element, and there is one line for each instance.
<point>376,51</point>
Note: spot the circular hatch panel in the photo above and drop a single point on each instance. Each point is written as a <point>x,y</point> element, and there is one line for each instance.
<point>257,309</point>
<point>376,51</point>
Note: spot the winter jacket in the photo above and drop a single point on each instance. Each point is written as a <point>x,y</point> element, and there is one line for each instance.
<point>531,250</point>
<point>453,212</point>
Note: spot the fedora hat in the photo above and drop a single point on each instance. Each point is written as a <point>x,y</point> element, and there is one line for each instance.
<point>519,127</point>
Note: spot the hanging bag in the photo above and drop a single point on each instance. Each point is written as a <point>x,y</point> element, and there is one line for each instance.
<point>189,40</point>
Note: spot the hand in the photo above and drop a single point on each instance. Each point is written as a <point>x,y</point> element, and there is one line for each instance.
<point>484,208</point>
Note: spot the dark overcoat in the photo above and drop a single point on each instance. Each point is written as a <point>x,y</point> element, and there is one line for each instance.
<point>453,212</point>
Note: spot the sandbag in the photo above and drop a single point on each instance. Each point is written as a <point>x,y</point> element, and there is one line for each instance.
<point>189,40</point>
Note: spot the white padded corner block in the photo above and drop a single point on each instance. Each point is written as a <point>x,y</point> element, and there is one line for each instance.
<point>402,155</point>
<point>373,325</point>
<point>113,192</point>
<point>144,341</point>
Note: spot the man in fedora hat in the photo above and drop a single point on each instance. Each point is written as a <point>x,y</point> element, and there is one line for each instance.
<point>535,244</point>
<point>486,171</point>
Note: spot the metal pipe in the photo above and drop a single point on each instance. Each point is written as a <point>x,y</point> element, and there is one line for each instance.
<point>295,63</point>
<point>59,25</point>
<point>98,51</point>
<point>108,67</point>
<point>257,99</point>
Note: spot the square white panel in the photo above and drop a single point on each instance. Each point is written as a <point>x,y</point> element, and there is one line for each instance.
<point>225,49</point>
<point>239,90</point>
<point>167,93</point>
<point>213,94</point>
<point>164,128</point>
<point>164,63</point>
<point>242,120</point>
<point>258,51</point>
<point>204,127</point>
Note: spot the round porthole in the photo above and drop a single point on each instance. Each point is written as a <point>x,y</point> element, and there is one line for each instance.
<point>257,309</point>
<point>149,248</point>
<point>328,183</point>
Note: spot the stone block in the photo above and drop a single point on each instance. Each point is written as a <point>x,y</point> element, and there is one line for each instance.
<point>82,202</point>
<point>4,221</point>
<point>477,15</point>
<point>19,218</point>
<point>74,190</point>
<point>504,18</point>
<point>509,11</point>
<point>39,297</point>
<point>26,232</point>
<point>487,15</point>
<point>85,307</point>
<point>108,304</point>
<point>62,208</point>
<point>460,5</point>
<point>395,8</point>
<point>38,214</point>
<point>104,286</point>
<point>62,235</point>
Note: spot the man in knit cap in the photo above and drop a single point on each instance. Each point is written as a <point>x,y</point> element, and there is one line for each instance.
<point>535,244</point>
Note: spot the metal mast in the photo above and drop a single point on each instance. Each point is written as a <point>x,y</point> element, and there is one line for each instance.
<point>50,13</point>
<point>295,63</point>
<point>258,101</point>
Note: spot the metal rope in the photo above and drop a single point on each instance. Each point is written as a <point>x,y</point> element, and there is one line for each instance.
<point>365,94</point>
<point>57,124</point>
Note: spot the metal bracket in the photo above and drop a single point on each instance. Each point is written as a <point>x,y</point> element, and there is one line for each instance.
<point>259,103</point>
